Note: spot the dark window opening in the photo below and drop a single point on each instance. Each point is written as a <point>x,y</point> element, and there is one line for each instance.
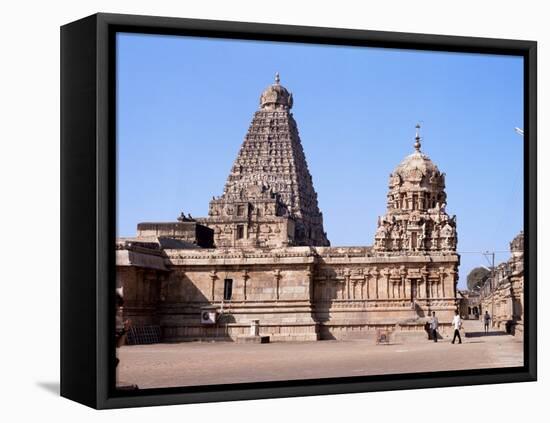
<point>240,232</point>
<point>227,289</point>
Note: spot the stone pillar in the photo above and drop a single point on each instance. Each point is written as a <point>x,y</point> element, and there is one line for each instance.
<point>511,299</point>
<point>277,274</point>
<point>375,274</point>
<point>245,279</point>
<point>387,274</point>
<point>406,284</point>
<point>213,277</point>
<point>347,278</point>
<point>310,285</point>
<point>442,277</point>
<point>400,289</point>
<point>423,292</point>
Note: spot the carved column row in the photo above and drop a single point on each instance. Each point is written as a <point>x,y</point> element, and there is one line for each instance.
<point>386,284</point>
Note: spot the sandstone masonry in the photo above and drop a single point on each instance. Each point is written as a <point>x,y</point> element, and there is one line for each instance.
<point>269,258</point>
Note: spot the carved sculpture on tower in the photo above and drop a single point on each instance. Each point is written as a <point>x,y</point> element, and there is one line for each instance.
<point>516,249</point>
<point>269,199</point>
<point>416,219</point>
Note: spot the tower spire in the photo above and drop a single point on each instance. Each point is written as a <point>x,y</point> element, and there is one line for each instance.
<point>417,138</point>
<point>270,177</point>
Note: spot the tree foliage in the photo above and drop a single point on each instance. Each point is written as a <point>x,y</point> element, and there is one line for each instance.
<point>477,276</point>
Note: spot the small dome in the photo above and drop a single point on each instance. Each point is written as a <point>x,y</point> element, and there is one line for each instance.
<point>416,161</point>
<point>417,164</point>
<point>276,97</point>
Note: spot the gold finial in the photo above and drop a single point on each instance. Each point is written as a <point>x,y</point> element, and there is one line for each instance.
<point>417,138</point>
<point>277,78</point>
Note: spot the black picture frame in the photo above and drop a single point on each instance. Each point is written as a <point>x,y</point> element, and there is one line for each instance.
<point>88,198</point>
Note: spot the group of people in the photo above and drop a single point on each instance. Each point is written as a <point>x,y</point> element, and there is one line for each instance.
<point>433,325</point>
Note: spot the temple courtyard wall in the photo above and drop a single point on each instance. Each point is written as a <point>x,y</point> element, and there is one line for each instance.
<point>296,293</point>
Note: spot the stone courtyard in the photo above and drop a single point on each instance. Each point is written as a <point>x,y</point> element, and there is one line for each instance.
<point>205,363</point>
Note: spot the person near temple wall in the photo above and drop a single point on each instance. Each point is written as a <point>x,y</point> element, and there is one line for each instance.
<point>434,324</point>
<point>486,320</point>
<point>457,325</point>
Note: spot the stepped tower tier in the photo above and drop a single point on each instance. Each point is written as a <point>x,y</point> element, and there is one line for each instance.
<point>269,199</point>
<point>416,219</point>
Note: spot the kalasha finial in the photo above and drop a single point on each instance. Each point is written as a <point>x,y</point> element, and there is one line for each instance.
<point>277,78</point>
<point>417,138</point>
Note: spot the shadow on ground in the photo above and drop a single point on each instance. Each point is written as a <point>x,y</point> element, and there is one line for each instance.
<point>482,334</point>
<point>51,387</point>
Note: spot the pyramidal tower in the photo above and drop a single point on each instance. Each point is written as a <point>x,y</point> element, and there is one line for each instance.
<point>269,199</point>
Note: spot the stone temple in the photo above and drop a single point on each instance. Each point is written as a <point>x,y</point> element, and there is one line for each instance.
<point>262,255</point>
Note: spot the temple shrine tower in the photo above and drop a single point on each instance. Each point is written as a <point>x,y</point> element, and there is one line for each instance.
<point>416,220</point>
<point>269,199</point>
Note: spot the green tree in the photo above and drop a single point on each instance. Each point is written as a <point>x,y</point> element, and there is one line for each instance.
<point>477,277</point>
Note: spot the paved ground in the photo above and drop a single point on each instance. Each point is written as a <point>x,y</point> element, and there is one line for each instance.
<point>196,363</point>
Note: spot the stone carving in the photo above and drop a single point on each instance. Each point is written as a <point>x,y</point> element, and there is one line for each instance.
<point>270,174</point>
<point>183,218</point>
<point>516,246</point>
<point>416,219</point>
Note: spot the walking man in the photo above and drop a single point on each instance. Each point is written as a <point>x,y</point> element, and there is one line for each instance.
<point>434,323</point>
<point>457,324</point>
<point>486,320</point>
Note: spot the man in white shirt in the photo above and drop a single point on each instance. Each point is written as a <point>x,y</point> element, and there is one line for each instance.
<point>457,324</point>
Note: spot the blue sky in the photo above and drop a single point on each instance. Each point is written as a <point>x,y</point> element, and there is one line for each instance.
<point>184,105</point>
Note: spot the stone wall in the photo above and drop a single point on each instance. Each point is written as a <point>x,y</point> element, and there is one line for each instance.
<point>188,231</point>
<point>141,289</point>
<point>503,295</point>
<point>300,293</point>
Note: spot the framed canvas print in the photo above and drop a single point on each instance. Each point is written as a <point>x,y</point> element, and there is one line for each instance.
<point>258,211</point>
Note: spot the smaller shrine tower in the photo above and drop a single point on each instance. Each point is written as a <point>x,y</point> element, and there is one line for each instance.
<point>416,219</point>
